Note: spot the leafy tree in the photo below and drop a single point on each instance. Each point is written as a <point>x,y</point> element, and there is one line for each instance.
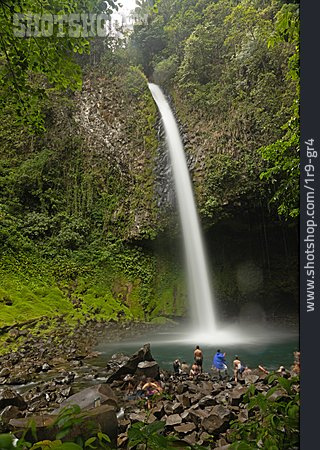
<point>283,155</point>
<point>272,423</point>
<point>29,66</point>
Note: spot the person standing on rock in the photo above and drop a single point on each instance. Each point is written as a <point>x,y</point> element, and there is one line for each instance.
<point>198,357</point>
<point>238,368</point>
<point>219,363</point>
<point>176,367</point>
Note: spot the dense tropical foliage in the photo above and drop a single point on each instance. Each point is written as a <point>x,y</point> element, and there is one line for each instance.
<point>233,68</point>
<point>79,202</point>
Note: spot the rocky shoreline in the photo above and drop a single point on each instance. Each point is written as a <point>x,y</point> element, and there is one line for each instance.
<point>52,370</point>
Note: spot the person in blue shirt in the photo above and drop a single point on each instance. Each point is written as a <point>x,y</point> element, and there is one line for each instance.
<point>219,363</point>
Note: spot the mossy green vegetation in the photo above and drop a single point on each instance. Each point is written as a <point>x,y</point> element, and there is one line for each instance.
<point>73,210</point>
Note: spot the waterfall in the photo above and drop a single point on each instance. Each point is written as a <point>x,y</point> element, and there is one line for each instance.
<point>200,293</point>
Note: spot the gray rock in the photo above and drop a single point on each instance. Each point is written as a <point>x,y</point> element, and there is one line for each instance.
<point>197,415</point>
<point>168,408</point>
<point>251,378</point>
<point>10,412</point>
<point>208,400</point>
<point>243,415</point>
<point>143,354</point>
<point>214,424</point>
<point>91,397</point>
<point>220,411</point>
<point>279,393</point>
<point>177,408</point>
<point>204,437</point>
<point>149,369</point>
<point>236,395</point>
<point>185,428</point>
<point>181,388</point>
<point>4,372</point>
<point>9,397</point>
<point>173,419</point>
<point>158,410</point>
<point>206,387</point>
<point>137,417</point>
<point>184,399</point>
<point>191,439</point>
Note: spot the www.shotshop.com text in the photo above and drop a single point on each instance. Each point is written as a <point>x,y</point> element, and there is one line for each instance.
<point>310,226</point>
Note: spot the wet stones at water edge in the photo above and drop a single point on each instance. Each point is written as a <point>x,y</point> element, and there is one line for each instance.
<point>195,410</point>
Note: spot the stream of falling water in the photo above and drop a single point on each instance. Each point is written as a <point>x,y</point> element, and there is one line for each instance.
<point>205,327</point>
<point>200,292</point>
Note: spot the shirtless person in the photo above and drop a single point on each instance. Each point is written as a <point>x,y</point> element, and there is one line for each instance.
<point>195,370</point>
<point>236,368</point>
<point>198,357</point>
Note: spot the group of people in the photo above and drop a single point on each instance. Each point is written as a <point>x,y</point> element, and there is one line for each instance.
<point>182,368</point>
<point>219,365</point>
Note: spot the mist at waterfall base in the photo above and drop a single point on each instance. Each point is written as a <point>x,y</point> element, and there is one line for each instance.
<point>204,327</point>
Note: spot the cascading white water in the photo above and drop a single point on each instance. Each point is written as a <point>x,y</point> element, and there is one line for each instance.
<point>200,293</point>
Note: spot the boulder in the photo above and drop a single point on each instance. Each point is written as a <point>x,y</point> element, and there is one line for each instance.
<point>168,408</point>
<point>236,395</point>
<point>208,400</point>
<point>4,372</point>
<point>220,411</point>
<point>191,439</point>
<point>123,425</point>
<point>158,410</point>
<point>184,399</point>
<point>185,428</point>
<point>9,397</point>
<point>177,408</point>
<point>251,378</point>
<point>204,437</point>
<point>197,415</point>
<point>10,412</point>
<point>130,367</point>
<point>276,395</point>
<point>243,415</point>
<point>91,397</point>
<point>181,388</point>
<point>206,387</point>
<point>173,419</point>
<point>137,417</point>
<point>214,424</point>
<point>102,419</point>
<point>149,369</point>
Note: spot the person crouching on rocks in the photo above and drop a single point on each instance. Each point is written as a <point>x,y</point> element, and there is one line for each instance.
<point>195,370</point>
<point>219,363</point>
<point>185,368</point>
<point>151,388</point>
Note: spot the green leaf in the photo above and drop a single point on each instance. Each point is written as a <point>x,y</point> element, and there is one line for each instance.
<point>90,441</point>
<point>68,446</point>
